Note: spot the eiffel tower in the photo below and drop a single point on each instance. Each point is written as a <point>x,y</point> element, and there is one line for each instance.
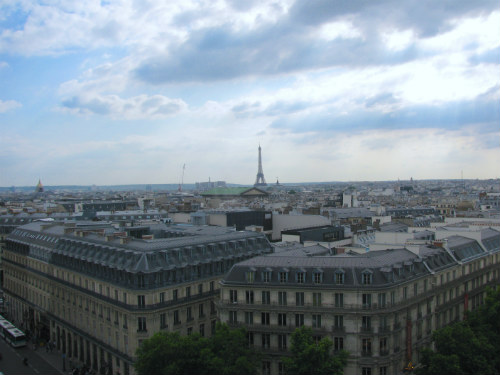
<point>260,180</point>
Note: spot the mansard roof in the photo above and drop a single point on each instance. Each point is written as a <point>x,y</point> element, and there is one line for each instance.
<point>385,266</point>
<point>102,245</point>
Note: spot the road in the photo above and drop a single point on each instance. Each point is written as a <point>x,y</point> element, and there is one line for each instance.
<point>12,361</point>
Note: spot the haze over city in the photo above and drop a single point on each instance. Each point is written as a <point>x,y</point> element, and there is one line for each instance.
<point>123,92</point>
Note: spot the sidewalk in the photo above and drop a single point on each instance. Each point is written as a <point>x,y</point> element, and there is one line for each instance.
<point>53,358</point>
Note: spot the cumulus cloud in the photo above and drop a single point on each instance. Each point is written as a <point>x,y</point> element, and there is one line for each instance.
<point>8,105</point>
<point>142,106</point>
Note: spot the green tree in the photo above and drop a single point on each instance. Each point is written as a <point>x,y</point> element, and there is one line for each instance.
<point>168,353</point>
<point>470,347</point>
<point>309,358</point>
<point>228,352</point>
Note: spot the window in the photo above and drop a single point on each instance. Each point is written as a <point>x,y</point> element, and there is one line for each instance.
<point>382,370</point>
<point>299,298</point>
<point>301,276</point>
<point>282,298</point>
<point>249,297</point>
<point>366,346</point>
<point>233,296</point>
<point>281,368</point>
<point>366,278</point>
<point>266,297</point>
<point>188,291</point>
<point>299,320</point>
<point>189,331</point>
<point>250,276</point>
<point>339,299</point>
<point>264,318</point>
<point>141,301</point>
<point>316,321</point>
<point>316,299</point>
<point>338,343</point>
<point>317,277</point>
<point>367,300</point>
<point>282,342</point>
<point>393,297</point>
<point>366,324</point>
<point>189,313</point>
<point>200,288</point>
<point>339,277</point>
<point>366,371</point>
<point>266,340</point>
<point>283,276</point>
<point>248,317</point>
<point>141,324</point>
<point>415,289</point>
<point>201,310</point>
<point>176,317</point>
<point>211,286</point>
<point>383,346</point>
<point>162,297</point>
<point>250,338</point>
<point>282,319</point>
<point>233,317</point>
<point>175,294</point>
<point>163,320</point>
<point>266,276</point>
<point>338,321</point>
<point>405,293</point>
<point>202,330</point>
<point>381,300</point>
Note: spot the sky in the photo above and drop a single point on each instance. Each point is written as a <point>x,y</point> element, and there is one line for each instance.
<point>154,92</point>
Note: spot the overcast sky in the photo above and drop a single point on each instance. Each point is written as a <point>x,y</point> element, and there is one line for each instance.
<point>127,92</point>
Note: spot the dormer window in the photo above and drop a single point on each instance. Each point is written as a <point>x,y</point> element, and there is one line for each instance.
<point>339,277</point>
<point>283,275</point>
<point>266,276</point>
<point>250,276</point>
<point>366,277</point>
<point>317,276</point>
<point>300,277</point>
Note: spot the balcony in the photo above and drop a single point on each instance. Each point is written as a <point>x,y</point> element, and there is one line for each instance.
<point>366,353</point>
<point>366,329</point>
<point>384,353</point>
<point>338,329</point>
<point>384,329</point>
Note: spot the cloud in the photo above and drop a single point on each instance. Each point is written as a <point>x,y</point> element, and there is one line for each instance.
<point>449,116</point>
<point>8,105</point>
<point>142,106</point>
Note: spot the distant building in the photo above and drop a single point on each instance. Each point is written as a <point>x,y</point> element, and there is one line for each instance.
<point>39,187</point>
<point>204,186</point>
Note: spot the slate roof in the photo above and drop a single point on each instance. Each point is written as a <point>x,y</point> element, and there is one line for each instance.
<point>98,243</point>
<point>385,266</point>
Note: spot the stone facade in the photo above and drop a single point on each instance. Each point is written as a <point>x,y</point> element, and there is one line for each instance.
<point>98,291</point>
<point>381,306</point>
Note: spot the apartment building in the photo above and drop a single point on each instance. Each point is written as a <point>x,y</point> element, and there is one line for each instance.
<point>381,306</point>
<point>98,290</point>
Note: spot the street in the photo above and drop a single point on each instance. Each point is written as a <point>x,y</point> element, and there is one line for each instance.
<point>12,361</point>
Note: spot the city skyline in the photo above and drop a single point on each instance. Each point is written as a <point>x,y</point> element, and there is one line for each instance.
<point>116,93</point>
